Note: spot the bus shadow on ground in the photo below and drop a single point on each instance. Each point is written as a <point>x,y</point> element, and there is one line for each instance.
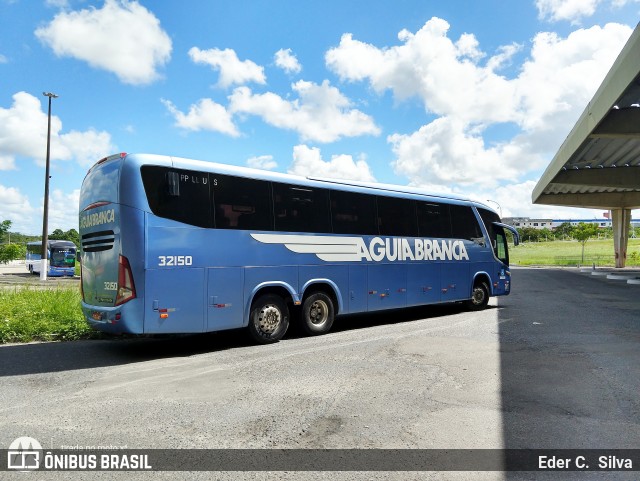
<point>21,359</point>
<point>569,366</point>
<point>49,357</point>
<point>389,317</point>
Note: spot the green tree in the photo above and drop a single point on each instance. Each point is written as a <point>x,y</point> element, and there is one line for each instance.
<point>583,232</point>
<point>9,252</point>
<point>563,231</point>
<point>5,225</point>
<point>70,235</point>
<point>529,234</point>
<point>57,234</point>
<point>545,234</point>
<point>74,236</point>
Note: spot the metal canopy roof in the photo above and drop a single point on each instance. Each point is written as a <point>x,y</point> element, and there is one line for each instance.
<point>598,165</point>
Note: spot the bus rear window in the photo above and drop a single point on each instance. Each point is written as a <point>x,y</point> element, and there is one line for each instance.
<point>101,183</point>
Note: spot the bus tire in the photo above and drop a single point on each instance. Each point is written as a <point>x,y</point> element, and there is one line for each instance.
<point>479,296</point>
<point>269,319</point>
<point>317,314</point>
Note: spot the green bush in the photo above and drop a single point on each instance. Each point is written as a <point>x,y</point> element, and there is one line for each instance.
<point>42,315</point>
<point>10,252</point>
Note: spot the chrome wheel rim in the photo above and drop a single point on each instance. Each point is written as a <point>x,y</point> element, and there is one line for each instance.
<point>318,313</point>
<point>269,319</point>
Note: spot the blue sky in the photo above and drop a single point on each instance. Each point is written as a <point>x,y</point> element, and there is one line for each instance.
<point>467,97</point>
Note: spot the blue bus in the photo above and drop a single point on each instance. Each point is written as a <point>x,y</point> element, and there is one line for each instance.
<point>172,245</point>
<point>61,258</point>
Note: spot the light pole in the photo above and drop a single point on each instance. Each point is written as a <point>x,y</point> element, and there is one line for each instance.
<point>499,208</point>
<point>45,217</point>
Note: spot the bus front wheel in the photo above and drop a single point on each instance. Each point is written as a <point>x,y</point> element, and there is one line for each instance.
<point>317,314</point>
<point>269,319</point>
<point>479,296</point>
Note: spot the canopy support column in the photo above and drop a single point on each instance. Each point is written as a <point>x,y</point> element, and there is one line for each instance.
<point>621,219</point>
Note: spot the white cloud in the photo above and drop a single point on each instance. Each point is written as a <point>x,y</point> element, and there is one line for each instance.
<point>321,113</point>
<point>15,206</point>
<point>461,86</point>
<point>122,37</point>
<point>562,74</point>
<point>444,152</point>
<point>514,200</point>
<point>205,115</point>
<point>308,162</point>
<point>7,162</point>
<point>23,133</point>
<point>572,10</point>
<point>23,128</point>
<point>444,74</point>
<point>63,210</point>
<point>264,162</point>
<point>3,59</point>
<point>233,71</point>
<point>87,147</point>
<point>287,61</point>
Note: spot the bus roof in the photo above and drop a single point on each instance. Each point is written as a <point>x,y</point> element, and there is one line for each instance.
<point>53,243</point>
<point>339,184</point>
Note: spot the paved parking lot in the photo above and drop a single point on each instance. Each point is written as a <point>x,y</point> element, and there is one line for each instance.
<point>16,274</point>
<point>554,365</point>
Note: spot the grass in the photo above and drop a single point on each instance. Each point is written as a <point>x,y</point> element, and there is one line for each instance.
<point>561,253</point>
<point>42,315</point>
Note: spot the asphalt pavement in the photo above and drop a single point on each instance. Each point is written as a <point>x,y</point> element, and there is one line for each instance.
<point>554,365</point>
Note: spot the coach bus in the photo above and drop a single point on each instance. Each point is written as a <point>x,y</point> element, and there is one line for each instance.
<point>171,245</point>
<point>61,258</point>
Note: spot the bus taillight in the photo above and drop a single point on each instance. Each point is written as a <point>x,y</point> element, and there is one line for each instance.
<point>126,287</point>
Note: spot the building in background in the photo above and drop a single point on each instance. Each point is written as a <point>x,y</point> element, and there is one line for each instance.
<point>522,222</point>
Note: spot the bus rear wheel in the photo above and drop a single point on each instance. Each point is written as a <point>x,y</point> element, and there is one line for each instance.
<point>479,296</point>
<point>317,314</point>
<point>269,319</point>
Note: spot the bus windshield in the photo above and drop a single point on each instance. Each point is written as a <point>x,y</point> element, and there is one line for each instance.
<point>497,234</point>
<point>63,257</point>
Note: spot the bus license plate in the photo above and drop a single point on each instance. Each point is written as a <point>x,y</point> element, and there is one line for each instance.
<point>97,316</point>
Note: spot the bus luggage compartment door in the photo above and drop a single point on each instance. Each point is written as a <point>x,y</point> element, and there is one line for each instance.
<point>455,283</point>
<point>225,299</point>
<point>423,282</point>
<point>174,301</point>
<point>387,284</point>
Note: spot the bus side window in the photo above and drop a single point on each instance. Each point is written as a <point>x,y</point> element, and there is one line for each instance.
<point>397,217</point>
<point>464,224</point>
<point>301,209</point>
<point>433,219</point>
<point>241,203</point>
<point>172,193</point>
<point>353,213</point>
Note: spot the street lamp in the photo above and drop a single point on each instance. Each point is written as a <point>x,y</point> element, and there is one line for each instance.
<point>499,208</point>
<point>45,218</point>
